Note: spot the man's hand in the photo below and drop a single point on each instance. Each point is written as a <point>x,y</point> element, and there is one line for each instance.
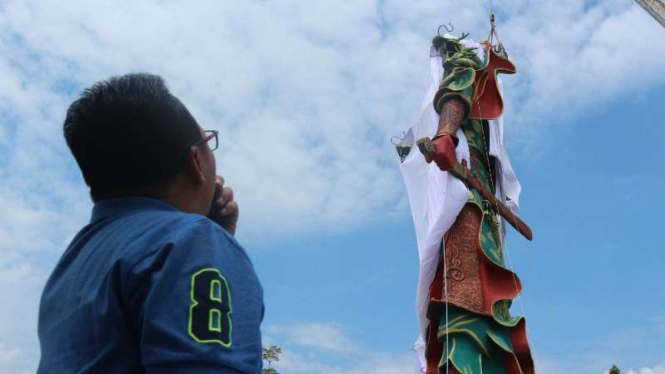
<point>445,153</point>
<point>224,210</point>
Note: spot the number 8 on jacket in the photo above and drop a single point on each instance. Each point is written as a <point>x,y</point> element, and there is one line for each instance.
<point>210,313</point>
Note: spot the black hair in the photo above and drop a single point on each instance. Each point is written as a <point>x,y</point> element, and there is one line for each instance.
<point>128,135</point>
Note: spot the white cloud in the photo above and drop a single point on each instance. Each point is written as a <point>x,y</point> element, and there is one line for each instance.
<point>370,364</point>
<point>21,283</point>
<point>549,366</point>
<point>324,336</point>
<point>658,369</point>
<point>8,355</point>
<point>626,347</point>
<point>306,94</point>
<point>313,348</point>
<point>575,57</point>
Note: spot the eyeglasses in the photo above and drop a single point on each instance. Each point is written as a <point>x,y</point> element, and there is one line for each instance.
<point>209,135</point>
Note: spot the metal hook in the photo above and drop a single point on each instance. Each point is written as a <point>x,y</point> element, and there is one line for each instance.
<point>399,140</point>
<point>438,31</point>
<point>498,48</point>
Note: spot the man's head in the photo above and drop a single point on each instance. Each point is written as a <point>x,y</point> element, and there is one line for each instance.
<point>131,136</point>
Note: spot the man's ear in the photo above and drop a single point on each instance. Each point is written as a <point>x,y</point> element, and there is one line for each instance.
<point>194,165</point>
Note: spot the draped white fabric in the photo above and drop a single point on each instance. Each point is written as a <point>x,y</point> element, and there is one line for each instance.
<point>419,353</point>
<point>436,197</point>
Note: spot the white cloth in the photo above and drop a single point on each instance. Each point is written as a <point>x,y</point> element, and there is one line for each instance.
<point>436,197</point>
<point>419,356</point>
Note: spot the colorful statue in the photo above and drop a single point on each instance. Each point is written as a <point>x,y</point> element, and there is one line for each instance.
<point>460,210</point>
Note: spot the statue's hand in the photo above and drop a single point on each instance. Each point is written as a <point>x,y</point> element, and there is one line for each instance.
<point>444,157</point>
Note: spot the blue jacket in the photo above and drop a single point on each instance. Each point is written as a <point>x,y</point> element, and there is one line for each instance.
<point>146,288</point>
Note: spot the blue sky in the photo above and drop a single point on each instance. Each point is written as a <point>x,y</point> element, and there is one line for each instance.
<point>306,96</point>
<point>593,276</point>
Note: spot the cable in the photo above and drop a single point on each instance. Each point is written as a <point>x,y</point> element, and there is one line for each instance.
<point>445,287</point>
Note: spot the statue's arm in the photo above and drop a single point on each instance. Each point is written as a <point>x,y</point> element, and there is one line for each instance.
<point>452,115</point>
<point>452,102</point>
<point>445,141</point>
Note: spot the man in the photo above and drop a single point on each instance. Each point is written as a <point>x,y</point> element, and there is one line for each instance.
<point>151,284</point>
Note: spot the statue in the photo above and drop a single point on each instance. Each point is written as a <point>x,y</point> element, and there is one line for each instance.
<point>460,210</point>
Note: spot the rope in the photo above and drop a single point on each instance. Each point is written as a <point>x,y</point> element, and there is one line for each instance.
<point>496,207</point>
<point>504,245</point>
<point>445,287</point>
<point>502,238</point>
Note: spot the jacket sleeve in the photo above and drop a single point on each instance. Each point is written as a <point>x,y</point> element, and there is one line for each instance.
<point>187,304</point>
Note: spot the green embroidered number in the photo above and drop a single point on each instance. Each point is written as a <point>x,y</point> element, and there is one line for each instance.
<point>210,313</point>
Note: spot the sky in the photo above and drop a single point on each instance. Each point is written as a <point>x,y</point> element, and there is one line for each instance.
<point>306,96</point>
